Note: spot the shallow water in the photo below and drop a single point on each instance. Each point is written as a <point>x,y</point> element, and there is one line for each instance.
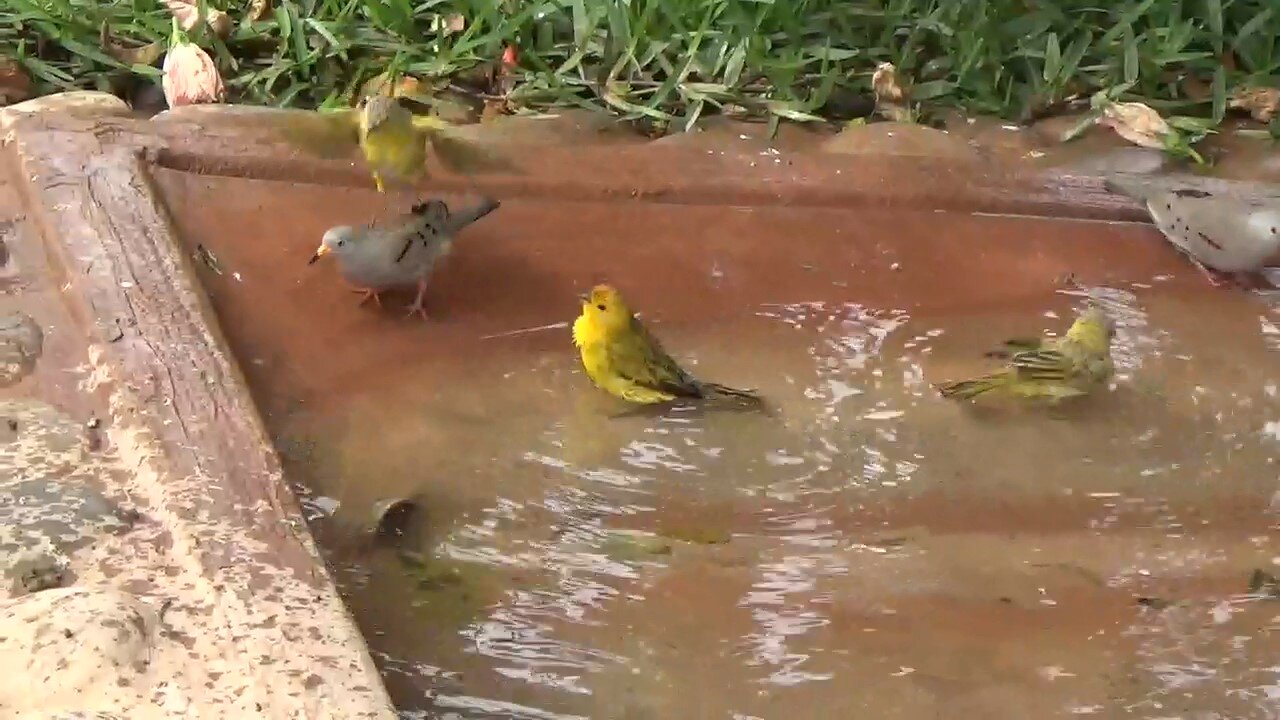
<point>871,548</point>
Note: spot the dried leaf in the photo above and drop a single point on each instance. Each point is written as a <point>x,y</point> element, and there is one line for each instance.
<point>1137,123</point>
<point>220,23</point>
<point>206,257</point>
<point>885,84</point>
<point>257,10</point>
<point>494,108</point>
<point>892,100</point>
<point>1260,102</point>
<point>15,83</point>
<point>187,13</point>
<point>142,55</point>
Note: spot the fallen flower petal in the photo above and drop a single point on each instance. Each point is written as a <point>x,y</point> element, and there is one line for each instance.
<point>190,77</point>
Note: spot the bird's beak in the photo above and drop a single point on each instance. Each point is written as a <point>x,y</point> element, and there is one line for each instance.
<point>320,252</point>
<point>584,298</point>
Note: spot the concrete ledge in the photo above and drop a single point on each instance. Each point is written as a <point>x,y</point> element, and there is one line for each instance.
<point>266,634</point>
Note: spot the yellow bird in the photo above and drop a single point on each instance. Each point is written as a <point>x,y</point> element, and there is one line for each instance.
<point>393,139</point>
<point>1057,368</point>
<point>622,358</point>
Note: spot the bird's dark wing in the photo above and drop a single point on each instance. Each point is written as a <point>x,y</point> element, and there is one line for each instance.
<point>1044,364</point>
<point>639,357</point>
<point>1015,345</point>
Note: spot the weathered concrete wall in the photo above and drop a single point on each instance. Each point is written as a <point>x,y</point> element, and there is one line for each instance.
<point>156,563</point>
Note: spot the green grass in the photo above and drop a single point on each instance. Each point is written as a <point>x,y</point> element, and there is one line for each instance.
<point>677,60</point>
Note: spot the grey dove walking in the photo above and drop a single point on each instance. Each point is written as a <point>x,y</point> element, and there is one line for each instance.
<point>403,254</point>
<point>1226,226</point>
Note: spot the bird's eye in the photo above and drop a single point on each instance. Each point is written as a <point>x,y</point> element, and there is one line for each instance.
<point>341,243</point>
<point>601,306</point>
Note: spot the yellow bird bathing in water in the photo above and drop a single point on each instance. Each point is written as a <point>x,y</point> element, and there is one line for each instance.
<point>393,139</point>
<point>622,358</point>
<point>1057,368</point>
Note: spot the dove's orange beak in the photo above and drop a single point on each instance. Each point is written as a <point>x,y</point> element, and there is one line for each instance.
<point>320,252</point>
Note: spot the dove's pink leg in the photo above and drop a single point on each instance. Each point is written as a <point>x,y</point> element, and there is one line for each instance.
<point>368,294</point>
<point>416,306</point>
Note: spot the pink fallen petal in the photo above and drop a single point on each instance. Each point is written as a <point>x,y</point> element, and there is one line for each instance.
<point>190,77</point>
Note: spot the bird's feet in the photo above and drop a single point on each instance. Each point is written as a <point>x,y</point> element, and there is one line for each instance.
<point>415,307</point>
<point>367,293</point>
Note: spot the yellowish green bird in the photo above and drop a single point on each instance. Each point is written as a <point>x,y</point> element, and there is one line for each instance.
<point>1050,368</point>
<point>624,359</point>
<point>393,139</point>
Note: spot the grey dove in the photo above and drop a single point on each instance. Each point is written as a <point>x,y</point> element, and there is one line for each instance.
<point>1226,226</point>
<point>404,253</point>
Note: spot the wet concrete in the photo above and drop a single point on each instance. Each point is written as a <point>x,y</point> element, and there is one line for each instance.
<point>871,550</point>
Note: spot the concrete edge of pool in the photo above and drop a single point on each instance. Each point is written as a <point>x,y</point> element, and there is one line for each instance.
<point>180,412</point>
<point>180,417</point>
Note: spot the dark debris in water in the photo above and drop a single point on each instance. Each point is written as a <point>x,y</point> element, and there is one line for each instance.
<point>452,592</point>
<point>1155,603</point>
<point>696,534</point>
<point>636,546</point>
<point>1264,585</point>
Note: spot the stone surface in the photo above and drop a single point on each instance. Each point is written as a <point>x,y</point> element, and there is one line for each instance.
<point>1123,159</point>
<point>51,503</point>
<point>21,342</point>
<point>82,103</point>
<point>900,139</point>
<point>171,504</point>
<point>8,263</point>
<point>35,571</point>
<point>82,648</point>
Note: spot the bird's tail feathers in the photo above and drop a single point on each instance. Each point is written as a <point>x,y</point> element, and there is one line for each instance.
<point>744,399</point>
<point>463,218</point>
<point>437,212</point>
<point>967,389</point>
<point>718,389</point>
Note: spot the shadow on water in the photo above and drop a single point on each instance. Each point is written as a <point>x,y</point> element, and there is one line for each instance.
<point>871,550</point>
